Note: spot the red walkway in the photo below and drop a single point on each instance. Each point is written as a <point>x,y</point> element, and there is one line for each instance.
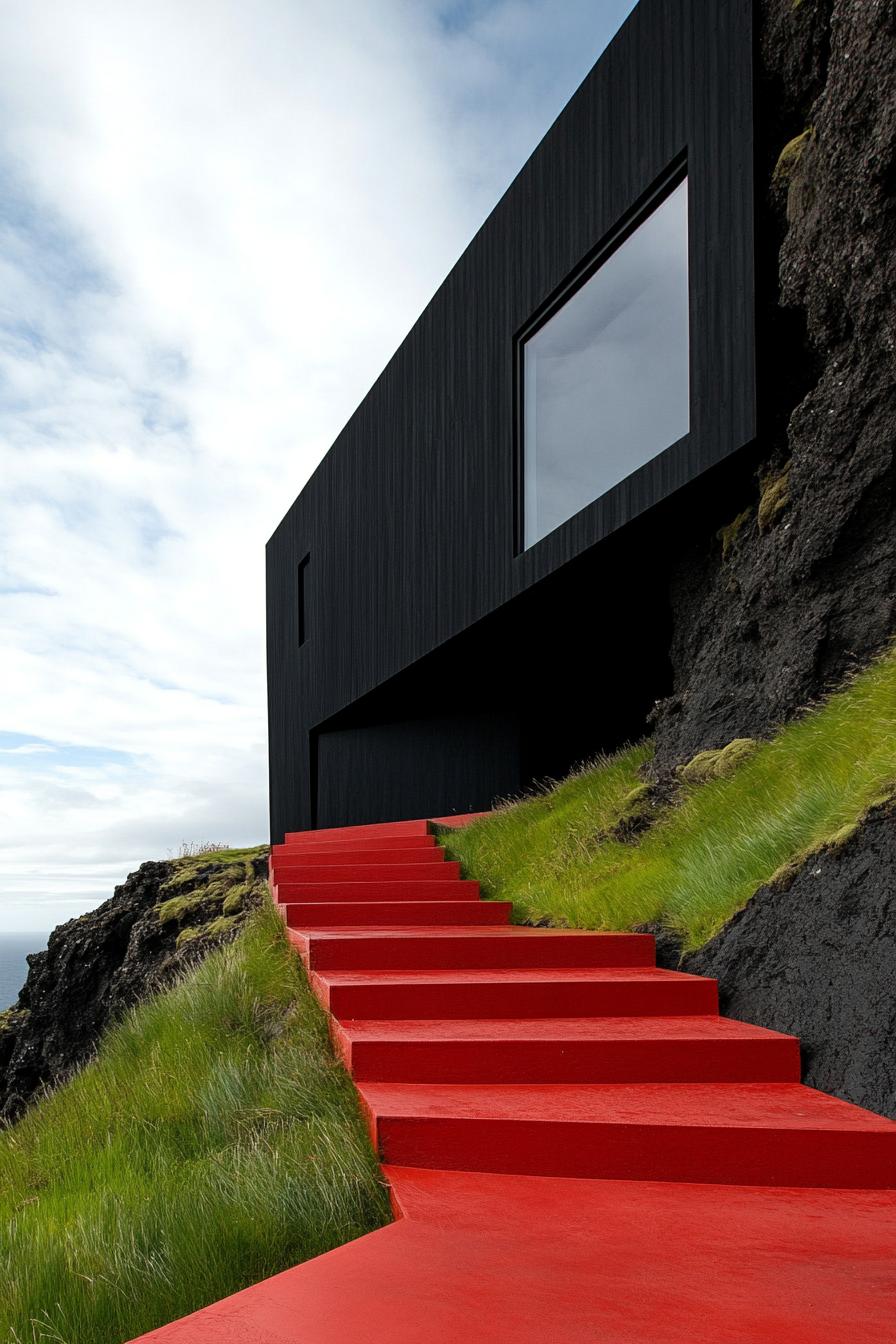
<point>579,1148</point>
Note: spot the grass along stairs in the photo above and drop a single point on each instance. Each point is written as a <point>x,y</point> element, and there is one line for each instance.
<point>597,851</point>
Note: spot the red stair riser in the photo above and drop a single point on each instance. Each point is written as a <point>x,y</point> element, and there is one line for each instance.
<point>374,845</point>
<point>415,890</point>
<point>377,830</point>
<point>355,914</point>
<point>458,953</point>
<point>718,1155</point>
<point>406,873</point>
<point>379,1002</point>
<point>767,1060</point>
<point>321,858</point>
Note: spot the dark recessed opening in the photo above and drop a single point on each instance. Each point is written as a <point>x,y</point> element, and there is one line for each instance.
<point>301,604</point>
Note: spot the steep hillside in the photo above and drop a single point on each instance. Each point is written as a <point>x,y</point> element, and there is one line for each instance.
<point>160,921</point>
<point>213,1141</point>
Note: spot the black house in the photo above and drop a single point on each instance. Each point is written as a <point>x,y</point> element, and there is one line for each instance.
<point>467,596</point>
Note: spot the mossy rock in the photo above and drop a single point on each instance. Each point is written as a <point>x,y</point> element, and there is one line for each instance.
<point>719,762</point>
<point>790,156</point>
<point>774,498</point>
<point>235,900</point>
<point>729,535</point>
<point>11,1018</point>
<point>215,928</point>
<point>179,907</point>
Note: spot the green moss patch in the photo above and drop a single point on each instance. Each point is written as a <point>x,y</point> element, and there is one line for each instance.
<point>774,498</point>
<point>730,535</point>
<point>214,928</point>
<point>789,158</point>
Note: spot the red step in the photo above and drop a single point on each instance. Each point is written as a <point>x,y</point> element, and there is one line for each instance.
<point>376,874</point>
<point>568,1050</point>
<point>389,830</point>
<point>320,914</point>
<point>778,1134</point>
<point>416,890</point>
<point>449,949</point>
<point>434,857</point>
<point>532,993</point>
<point>377,843</point>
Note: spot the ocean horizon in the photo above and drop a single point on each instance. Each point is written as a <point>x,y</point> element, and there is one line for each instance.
<point>14,948</point>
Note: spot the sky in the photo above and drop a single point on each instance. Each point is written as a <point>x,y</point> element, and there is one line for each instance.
<point>217,222</point>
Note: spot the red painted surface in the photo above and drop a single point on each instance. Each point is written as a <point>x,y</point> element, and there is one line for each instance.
<point>355,846</point>
<point>399,874</point>
<point>565,1050</point>
<point>390,830</point>
<point>579,1147</point>
<point>455,949</point>
<point>535,992</point>
<point>409,909</point>
<point>343,855</point>
<point>411,888</point>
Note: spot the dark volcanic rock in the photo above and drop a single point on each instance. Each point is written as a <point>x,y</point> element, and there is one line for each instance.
<point>819,960</point>
<point>97,966</point>
<point>768,616</point>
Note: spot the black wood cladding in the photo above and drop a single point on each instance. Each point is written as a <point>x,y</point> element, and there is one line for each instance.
<point>408,522</point>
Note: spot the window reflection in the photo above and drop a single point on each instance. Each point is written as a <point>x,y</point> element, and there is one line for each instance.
<point>605,379</point>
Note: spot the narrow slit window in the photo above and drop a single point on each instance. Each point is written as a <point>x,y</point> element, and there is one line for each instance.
<point>301,600</point>
<point>605,377</point>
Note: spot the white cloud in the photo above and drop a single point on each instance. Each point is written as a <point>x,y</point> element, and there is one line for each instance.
<point>220,221</point>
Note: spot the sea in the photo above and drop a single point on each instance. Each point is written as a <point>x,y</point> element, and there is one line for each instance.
<point>14,947</point>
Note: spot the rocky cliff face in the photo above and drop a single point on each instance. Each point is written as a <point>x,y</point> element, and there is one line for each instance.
<point>158,923</point>
<point>818,959</point>
<point>801,584</point>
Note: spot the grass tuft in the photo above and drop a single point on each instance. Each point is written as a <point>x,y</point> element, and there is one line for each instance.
<point>563,858</point>
<point>214,1141</point>
<point>716,764</point>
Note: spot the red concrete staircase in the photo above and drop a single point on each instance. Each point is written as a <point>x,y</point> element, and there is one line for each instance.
<point>578,1146</point>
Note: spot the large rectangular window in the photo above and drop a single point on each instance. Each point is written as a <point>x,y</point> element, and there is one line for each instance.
<point>606,374</point>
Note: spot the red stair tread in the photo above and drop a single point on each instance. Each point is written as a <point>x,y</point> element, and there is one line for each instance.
<point>324,858</point>
<point>376,843</point>
<point>732,1105</point>
<point>563,1050</point>
<point>377,914</point>
<point>373,873</point>
<point>515,993</point>
<point>357,844</point>
<point>370,831</point>
<point>516,932</point>
<point>688,1028</point>
<point>399,947</point>
<point>512,975</point>
<point>740,1133</point>
<point>421,889</point>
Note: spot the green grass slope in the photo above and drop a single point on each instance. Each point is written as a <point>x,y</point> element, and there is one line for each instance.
<point>214,1141</point>
<point>589,854</point>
